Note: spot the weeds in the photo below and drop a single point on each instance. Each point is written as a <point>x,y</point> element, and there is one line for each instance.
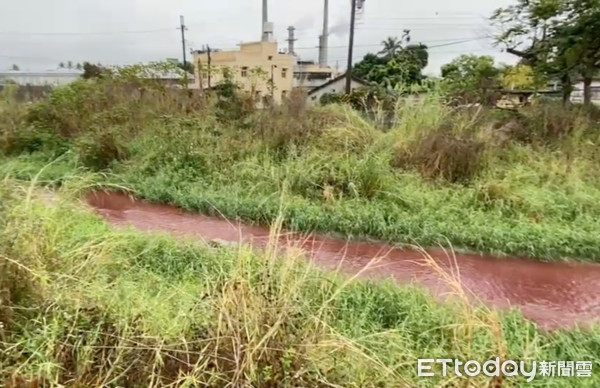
<point>119,308</point>
<point>417,180</point>
<point>443,154</point>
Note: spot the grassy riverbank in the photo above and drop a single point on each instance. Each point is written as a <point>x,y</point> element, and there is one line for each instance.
<point>523,183</point>
<point>83,304</point>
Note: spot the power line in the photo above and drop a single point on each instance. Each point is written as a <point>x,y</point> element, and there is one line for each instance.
<point>450,43</point>
<point>425,18</point>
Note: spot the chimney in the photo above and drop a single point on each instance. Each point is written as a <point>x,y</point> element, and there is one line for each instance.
<point>324,38</point>
<point>265,19</point>
<point>291,40</point>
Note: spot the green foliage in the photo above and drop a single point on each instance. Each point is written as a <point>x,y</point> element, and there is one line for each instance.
<point>100,147</point>
<point>443,154</point>
<point>550,123</point>
<point>400,64</point>
<point>330,98</point>
<point>187,67</point>
<point>367,65</point>
<point>521,77</point>
<point>83,305</point>
<point>332,165</point>
<point>93,71</point>
<point>230,104</point>
<point>557,38</point>
<point>470,78</point>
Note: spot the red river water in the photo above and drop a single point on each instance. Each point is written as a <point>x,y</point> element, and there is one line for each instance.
<point>554,295</point>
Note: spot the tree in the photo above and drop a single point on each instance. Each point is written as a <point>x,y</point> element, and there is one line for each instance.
<point>188,67</point>
<point>471,78</point>
<point>257,75</point>
<point>92,71</point>
<point>61,65</point>
<point>527,30</point>
<point>390,47</point>
<point>70,65</point>
<point>557,38</point>
<point>580,37</point>
<point>14,67</point>
<point>520,77</point>
<point>398,64</point>
<point>78,66</point>
<point>364,69</point>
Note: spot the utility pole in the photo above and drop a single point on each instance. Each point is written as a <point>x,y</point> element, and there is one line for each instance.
<point>350,49</point>
<point>183,42</point>
<point>209,63</point>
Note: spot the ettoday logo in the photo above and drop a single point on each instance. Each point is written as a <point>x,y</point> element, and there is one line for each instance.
<point>508,368</point>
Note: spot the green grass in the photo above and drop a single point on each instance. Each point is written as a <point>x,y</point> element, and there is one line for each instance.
<point>87,305</point>
<point>82,304</point>
<point>532,192</point>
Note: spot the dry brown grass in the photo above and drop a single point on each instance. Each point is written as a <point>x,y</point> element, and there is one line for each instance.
<point>443,154</point>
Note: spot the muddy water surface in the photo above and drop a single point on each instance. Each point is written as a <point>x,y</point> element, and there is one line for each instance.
<point>552,294</point>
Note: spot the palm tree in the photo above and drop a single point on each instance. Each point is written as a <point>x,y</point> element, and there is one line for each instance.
<point>391,46</point>
<point>70,65</point>
<point>61,65</point>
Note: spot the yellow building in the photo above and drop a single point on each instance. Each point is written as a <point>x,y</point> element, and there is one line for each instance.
<point>255,67</point>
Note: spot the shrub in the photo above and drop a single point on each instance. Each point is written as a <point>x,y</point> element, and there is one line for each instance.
<point>278,130</point>
<point>119,99</point>
<point>295,104</point>
<point>443,154</point>
<point>330,98</point>
<point>547,123</point>
<point>30,139</point>
<point>329,178</point>
<point>99,148</point>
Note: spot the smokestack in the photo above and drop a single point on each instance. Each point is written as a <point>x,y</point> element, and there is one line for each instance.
<point>324,38</point>
<point>265,19</point>
<point>291,40</point>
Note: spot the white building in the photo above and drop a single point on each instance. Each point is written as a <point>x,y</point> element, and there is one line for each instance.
<point>577,95</point>
<point>309,75</point>
<point>336,85</point>
<point>41,78</point>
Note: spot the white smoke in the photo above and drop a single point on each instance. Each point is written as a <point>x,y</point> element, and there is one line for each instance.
<point>306,22</point>
<point>340,28</point>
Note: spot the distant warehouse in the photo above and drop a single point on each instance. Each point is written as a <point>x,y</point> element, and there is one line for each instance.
<point>40,78</point>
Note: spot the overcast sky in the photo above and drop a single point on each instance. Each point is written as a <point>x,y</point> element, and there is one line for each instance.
<point>38,34</point>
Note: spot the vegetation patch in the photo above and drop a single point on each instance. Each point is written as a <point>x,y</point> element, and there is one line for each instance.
<point>93,306</point>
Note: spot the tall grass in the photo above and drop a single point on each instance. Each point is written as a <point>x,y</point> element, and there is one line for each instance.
<point>86,305</point>
<point>504,182</point>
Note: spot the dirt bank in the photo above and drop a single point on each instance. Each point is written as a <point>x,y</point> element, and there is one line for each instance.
<point>552,294</point>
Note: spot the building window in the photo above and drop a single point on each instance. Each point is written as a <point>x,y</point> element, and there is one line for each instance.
<point>284,72</point>
<point>283,94</point>
<point>244,71</point>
